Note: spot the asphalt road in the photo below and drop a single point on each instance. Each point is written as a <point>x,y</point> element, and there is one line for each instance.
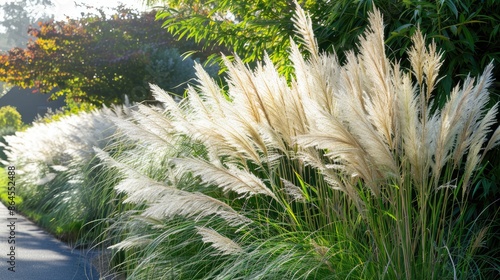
<point>36,255</point>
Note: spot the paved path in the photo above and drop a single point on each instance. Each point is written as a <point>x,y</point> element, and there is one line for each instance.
<point>37,255</point>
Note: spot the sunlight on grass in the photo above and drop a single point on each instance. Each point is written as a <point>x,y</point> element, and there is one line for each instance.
<point>3,189</point>
<point>57,173</point>
<point>347,171</point>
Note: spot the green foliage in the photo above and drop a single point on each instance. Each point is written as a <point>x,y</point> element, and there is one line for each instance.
<point>248,28</point>
<point>4,196</point>
<point>467,31</point>
<point>10,117</point>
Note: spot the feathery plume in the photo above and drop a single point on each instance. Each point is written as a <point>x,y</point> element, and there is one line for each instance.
<point>293,191</point>
<point>228,179</point>
<point>222,244</point>
<point>195,206</point>
<point>303,26</point>
<point>494,140</point>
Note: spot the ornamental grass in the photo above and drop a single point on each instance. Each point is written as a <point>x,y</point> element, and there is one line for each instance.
<point>348,171</point>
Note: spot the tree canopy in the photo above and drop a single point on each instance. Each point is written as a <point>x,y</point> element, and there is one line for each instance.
<point>95,59</point>
<point>247,28</point>
<point>467,31</point>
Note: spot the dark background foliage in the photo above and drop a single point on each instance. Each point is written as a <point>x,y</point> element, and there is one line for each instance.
<point>467,31</point>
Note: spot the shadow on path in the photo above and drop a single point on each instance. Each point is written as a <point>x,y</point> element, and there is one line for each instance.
<point>36,255</point>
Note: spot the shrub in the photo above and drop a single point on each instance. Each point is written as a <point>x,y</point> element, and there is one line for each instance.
<point>10,117</point>
<point>343,172</point>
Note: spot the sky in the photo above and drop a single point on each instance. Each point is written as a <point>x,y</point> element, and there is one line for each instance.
<point>65,8</point>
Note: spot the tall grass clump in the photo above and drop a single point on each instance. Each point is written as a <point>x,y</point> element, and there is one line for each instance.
<point>57,172</point>
<point>347,171</point>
